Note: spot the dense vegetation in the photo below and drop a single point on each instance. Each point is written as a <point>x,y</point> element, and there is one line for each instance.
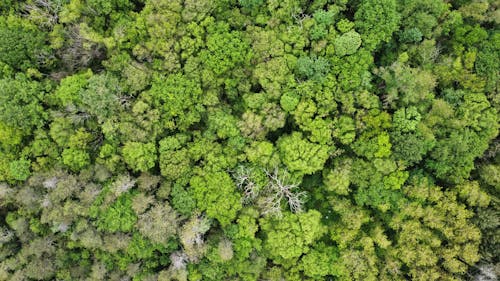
<point>249,140</point>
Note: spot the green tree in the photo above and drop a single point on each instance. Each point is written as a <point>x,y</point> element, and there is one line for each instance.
<point>215,193</point>
<point>139,156</point>
<point>22,44</point>
<point>300,155</point>
<point>20,169</point>
<point>225,50</point>
<point>347,44</point>
<point>288,238</point>
<point>119,216</point>
<point>376,21</point>
<point>21,103</point>
<point>312,67</point>
<point>178,98</point>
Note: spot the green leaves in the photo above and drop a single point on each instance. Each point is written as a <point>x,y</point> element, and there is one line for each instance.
<point>376,20</point>
<point>20,169</point>
<point>300,155</point>
<point>21,103</point>
<point>117,217</point>
<point>312,67</point>
<point>139,156</point>
<point>347,44</point>
<point>290,237</point>
<point>178,98</point>
<point>225,50</point>
<point>22,44</point>
<point>215,194</point>
<point>75,158</point>
<point>248,140</point>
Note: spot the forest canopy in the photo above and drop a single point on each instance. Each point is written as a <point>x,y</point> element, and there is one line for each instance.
<point>249,140</point>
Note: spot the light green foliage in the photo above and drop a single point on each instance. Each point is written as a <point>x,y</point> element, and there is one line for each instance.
<point>337,179</point>
<point>214,193</point>
<point>290,237</point>
<point>347,44</point>
<point>68,91</point>
<point>174,160</point>
<point>119,216</point>
<point>75,158</point>
<point>320,262</point>
<point>139,156</point>
<point>407,86</point>
<point>300,155</point>
<point>452,159</point>
<point>406,119</point>
<point>262,154</point>
<point>274,75</point>
<point>107,7</point>
<point>434,257</point>
<point>323,21</point>
<point>289,101</point>
<point>225,50</point>
<point>344,130</point>
<point>178,98</point>
<point>20,169</point>
<point>243,234</point>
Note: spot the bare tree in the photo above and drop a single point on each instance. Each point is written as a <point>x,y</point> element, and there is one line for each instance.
<point>179,260</point>
<point>44,12</point>
<point>244,182</point>
<point>279,189</point>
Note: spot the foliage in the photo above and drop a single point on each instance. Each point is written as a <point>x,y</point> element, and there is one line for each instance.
<point>214,193</point>
<point>249,140</point>
<point>139,156</point>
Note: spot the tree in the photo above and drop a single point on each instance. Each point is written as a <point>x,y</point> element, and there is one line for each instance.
<point>178,98</point>
<point>20,169</point>
<point>75,158</point>
<point>376,21</point>
<point>191,236</point>
<point>119,216</point>
<point>139,156</point>
<point>312,67</point>
<point>225,50</point>
<point>300,155</point>
<point>291,236</point>
<point>174,159</point>
<point>159,224</point>
<point>101,96</point>
<point>22,44</point>
<point>347,44</point>
<point>215,194</point>
<point>21,103</point>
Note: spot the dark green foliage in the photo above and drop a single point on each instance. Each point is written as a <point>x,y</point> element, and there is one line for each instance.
<point>312,67</point>
<point>21,103</point>
<point>22,44</point>
<point>376,20</point>
<point>189,140</point>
